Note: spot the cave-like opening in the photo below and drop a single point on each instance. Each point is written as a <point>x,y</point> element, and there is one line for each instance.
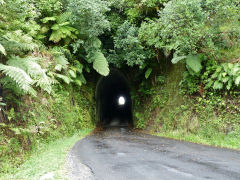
<point>114,105</point>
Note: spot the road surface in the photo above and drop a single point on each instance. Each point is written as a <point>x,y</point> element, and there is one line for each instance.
<point>122,154</point>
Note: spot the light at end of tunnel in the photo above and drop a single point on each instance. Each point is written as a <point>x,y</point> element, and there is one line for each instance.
<point>121,101</point>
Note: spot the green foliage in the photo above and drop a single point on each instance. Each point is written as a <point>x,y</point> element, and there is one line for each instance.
<point>148,73</point>
<point>43,119</point>
<point>34,70</point>
<point>49,8</point>
<point>127,47</point>
<point>189,27</point>
<point>2,50</point>
<point>60,28</point>
<point>26,73</point>
<point>136,11</point>
<point>17,42</point>
<point>190,84</point>
<point>64,71</point>
<point>18,15</point>
<point>100,64</point>
<point>141,123</point>
<point>47,155</point>
<point>22,79</point>
<point>226,76</point>
<point>178,28</point>
<point>209,119</point>
<point>194,63</point>
<point>61,31</point>
<point>89,16</point>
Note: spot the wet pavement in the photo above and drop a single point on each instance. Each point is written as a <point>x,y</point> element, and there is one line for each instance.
<point>122,154</point>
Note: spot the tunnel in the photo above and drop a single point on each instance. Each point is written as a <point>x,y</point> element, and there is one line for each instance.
<point>113,100</point>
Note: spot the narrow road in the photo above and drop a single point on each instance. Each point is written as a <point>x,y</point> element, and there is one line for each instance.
<point>122,154</point>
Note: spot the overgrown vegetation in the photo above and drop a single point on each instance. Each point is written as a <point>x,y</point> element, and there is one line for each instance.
<point>48,160</point>
<point>50,49</point>
<point>43,119</point>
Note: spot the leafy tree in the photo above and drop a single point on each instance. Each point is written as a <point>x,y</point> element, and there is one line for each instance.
<point>127,47</point>
<point>89,17</point>
<point>189,26</point>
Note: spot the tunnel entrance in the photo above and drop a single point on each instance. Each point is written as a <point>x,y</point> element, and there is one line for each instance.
<point>114,105</point>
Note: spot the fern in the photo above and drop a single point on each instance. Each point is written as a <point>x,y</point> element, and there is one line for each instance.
<point>61,29</point>
<point>100,63</point>
<point>61,60</point>
<point>20,77</point>
<point>66,79</point>
<point>47,19</point>
<point>16,42</point>
<point>34,70</point>
<point>2,50</point>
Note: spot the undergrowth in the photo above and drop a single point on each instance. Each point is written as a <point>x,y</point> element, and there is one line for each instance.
<point>189,111</point>
<point>42,120</point>
<point>48,159</point>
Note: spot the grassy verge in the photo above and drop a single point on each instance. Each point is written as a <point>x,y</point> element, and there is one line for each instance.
<point>218,140</point>
<point>46,159</point>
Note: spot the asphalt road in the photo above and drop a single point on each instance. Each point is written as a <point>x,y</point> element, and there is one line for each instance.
<point>122,154</point>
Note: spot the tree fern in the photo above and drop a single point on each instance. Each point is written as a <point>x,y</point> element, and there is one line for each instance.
<point>16,42</point>
<point>23,80</point>
<point>61,29</point>
<point>34,70</point>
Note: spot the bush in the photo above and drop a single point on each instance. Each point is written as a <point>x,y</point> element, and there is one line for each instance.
<point>189,27</point>
<point>127,47</point>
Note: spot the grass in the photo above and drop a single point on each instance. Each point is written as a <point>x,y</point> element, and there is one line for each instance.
<point>48,158</point>
<point>218,140</point>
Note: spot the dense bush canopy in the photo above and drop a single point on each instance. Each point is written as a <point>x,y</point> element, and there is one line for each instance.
<point>71,37</point>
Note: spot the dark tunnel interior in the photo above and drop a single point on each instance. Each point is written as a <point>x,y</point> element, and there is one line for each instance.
<point>114,106</point>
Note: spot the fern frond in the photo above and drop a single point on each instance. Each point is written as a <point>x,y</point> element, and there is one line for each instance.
<point>62,31</point>
<point>47,19</point>
<point>66,79</point>
<point>61,60</point>
<point>2,50</point>
<point>34,70</point>
<point>17,41</point>
<point>23,80</point>
<point>64,17</point>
